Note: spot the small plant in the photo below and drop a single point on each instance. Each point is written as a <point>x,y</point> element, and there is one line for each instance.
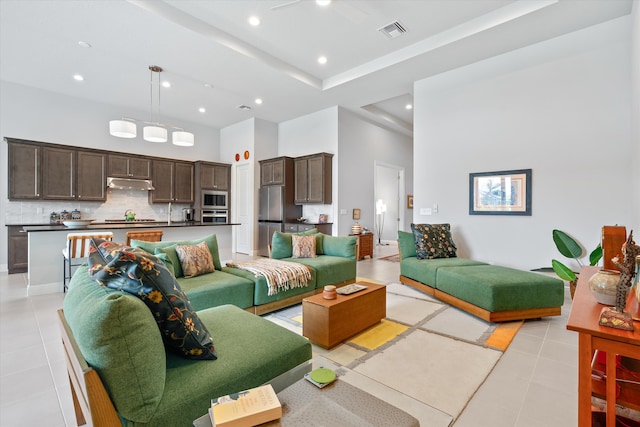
<point>568,247</point>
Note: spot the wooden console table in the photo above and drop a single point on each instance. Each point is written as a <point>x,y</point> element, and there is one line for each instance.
<point>584,317</point>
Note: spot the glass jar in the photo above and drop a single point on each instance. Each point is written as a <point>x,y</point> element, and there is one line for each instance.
<point>53,217</point>
<point>75,214</point>
<point>64,215</point>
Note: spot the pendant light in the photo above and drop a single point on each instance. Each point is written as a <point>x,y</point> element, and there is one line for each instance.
<point>153,131</point>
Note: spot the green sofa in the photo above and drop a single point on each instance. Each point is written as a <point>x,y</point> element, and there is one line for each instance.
<point>115,332</point>
<point>335,264</point>
<point>491,292</point>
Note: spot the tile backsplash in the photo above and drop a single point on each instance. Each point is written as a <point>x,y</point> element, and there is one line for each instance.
<point>118,201</point>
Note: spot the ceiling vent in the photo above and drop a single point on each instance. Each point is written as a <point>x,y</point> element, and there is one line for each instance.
<point>243,107</point>
<point>393,30</point>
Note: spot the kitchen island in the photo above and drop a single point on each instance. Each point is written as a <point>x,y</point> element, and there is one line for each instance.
<point>47,241</point>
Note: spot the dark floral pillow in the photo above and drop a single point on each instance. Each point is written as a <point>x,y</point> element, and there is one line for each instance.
<point>138,272</point>
<point>433,241</point>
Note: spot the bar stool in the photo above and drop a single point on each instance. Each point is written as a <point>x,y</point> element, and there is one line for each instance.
<point>146,235</point>
<point>77,250</point>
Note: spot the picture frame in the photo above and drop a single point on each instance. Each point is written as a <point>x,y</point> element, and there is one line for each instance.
<point>356,213</point>
<point>409,201</point>
<point>322,219</point>
<point>500,193</point>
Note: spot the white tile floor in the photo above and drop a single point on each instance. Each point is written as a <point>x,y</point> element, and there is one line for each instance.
<point>533,384</point>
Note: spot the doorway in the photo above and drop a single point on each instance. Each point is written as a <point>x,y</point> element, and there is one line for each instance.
<point>388,204</point>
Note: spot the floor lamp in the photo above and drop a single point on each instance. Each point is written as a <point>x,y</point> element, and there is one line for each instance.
<point>381,208</point>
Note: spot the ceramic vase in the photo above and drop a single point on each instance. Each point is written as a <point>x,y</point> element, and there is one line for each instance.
<point>356,228</point>
<point>604,286</point>
<point>329,292</point>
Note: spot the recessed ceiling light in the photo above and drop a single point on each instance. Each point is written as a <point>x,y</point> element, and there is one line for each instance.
<point>202,110</point>
<point>322,59</point>
<point>83,44</point>
<point>78,77</point>
<point>166,84</point>
<point>323,2</point>
<point>258,101</point>
<point>254,21</point>
<point>408,106</point>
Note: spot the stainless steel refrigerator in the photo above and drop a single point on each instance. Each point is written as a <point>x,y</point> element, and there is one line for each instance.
<point>274,210</point>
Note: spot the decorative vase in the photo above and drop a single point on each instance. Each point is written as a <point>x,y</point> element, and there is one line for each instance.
<point>356,228</point>
<point>604,286</point>
<point>329,292</point>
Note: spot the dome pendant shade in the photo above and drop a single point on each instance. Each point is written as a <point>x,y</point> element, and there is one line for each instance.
<point>154,134</point>
<point>122,129</point>
<point>184,139</point>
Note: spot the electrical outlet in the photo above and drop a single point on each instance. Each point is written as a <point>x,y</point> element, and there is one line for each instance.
<point>425,211</point>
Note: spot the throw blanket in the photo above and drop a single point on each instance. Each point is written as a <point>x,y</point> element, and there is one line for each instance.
<point>280,275</point>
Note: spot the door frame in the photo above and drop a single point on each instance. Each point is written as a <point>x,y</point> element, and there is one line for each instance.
<point>401,190</point>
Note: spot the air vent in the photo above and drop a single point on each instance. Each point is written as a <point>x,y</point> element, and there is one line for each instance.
<point>393,30</point>
<point>243,107</point>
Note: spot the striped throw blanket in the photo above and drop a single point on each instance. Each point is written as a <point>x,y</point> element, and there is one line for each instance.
<point>280,275</point>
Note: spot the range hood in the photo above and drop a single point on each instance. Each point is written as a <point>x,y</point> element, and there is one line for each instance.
<point>129,184</point>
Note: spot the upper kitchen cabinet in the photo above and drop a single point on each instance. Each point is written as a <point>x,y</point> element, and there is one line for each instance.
<point>129,167</point>
<point>274,171</point>
<point>92,176</point>
<point>24,171</point>
<point>58,173</point>
<point>313,179</point>
<point>173,182</point>
<point>213,176</point>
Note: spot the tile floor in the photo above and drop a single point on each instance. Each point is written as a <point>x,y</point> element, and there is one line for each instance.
<point>533,384</point>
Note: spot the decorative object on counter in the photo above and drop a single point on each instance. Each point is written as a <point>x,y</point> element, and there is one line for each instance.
<point>356,213</point>
<point>329,292</point>
<point>381,208</point>
<point>322,219</point>
<point>301,219</point>
<point>604,286</point>
<point>75,214</point>
<point>356,228</point>
<point>568,247</point>
<point>129,215</point>
<point>64,215</point>
<point>53,217</point>
<point>76,223</point>
<point>616,317</point>
<point>153,131</point>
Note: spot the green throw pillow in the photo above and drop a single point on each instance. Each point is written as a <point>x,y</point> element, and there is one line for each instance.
<point>138,272</point>
<point>344,246</point>
<point>212,242</point>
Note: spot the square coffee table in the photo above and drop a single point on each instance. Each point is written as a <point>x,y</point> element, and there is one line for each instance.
<point>329,322</point>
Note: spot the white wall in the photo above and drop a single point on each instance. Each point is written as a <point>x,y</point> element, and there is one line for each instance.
<point>635,84</point>
<point>361,145</point>
<point>33,114</point>
<point>561,108</point>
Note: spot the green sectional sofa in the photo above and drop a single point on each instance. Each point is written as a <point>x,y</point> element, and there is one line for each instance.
<point>140,383</point>
<point>491,292</point>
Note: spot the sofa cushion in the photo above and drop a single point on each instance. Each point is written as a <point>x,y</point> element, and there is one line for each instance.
<point>282,243</point>
<point>139,273</point>
<point>433,241</point>
<point>151,247</point>
<point>219,288</point>
<point>497,288</point>
<point>344,246</point>
<point>329,270</point>
<point>426,270</point>
<point>406,244</point>
<point>261,289</point>
<point>195,260</point>
<point>303,246</point>
<point>252,352</point>
<point>118,336</point>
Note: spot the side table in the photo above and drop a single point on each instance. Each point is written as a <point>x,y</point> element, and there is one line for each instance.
<point>365,245</point>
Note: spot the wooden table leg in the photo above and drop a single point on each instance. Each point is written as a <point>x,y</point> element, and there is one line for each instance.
<point>611,389</point>
<point>584,379</point>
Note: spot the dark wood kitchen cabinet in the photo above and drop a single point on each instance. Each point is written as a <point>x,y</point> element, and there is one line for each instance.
<point>17,250</point>
<point>58,173</point>
<point>213,176</point>
<point>272,171</point>
<point>24,171</point>
<point>129,167</point>
<point>173,182</point>
<point>313,179</point>
<point>92,176</point>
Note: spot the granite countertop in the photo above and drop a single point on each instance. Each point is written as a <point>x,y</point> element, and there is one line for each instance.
<point>115,226</point>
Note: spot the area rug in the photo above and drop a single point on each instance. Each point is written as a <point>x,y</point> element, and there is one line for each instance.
<point>392,258</point>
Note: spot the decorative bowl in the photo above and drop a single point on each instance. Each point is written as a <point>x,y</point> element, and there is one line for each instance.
<point>74,223</point>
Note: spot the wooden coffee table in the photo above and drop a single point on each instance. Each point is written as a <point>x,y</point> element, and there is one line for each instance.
<point>329,322</point>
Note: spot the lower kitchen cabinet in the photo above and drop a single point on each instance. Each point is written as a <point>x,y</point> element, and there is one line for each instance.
<point>17,250</point>
<point>292,227</point>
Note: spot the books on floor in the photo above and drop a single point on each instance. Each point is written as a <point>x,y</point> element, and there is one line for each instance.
<point>246,408</point>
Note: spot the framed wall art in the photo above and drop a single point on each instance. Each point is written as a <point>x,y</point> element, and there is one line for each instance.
<point>410,201</point>
<point>356,213</point>
<point>500,193</point>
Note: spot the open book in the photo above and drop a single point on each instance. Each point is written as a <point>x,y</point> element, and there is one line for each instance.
<point>246,408</point>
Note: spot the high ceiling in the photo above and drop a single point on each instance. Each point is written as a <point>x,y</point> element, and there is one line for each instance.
<point>216,60</point>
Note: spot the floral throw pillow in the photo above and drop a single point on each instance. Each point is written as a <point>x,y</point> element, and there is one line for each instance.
<point>139,273</point>
<point>433,241</point>
<point>303,246</point>
<point>195,260</point>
